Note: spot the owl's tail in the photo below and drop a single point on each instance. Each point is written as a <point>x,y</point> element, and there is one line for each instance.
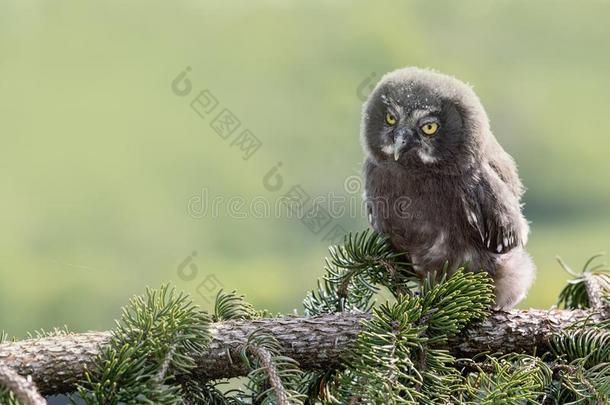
<point>515,273</point>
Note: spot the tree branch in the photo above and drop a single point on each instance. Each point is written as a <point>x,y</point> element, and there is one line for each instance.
<point>56,363</point>
<point>23,388</point>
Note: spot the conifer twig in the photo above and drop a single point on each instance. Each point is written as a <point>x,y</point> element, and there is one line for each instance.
<point>264,357</point>
<point>594,291</point>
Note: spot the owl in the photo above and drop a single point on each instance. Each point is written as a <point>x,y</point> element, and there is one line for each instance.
<point>439,185</point>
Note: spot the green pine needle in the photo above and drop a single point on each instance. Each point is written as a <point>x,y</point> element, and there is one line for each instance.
<point>151,346</point>
<point>354,273</point>
<point>512,379</point>
<point>451,303</point>
<point>232,306</point>
<point>394,359</point>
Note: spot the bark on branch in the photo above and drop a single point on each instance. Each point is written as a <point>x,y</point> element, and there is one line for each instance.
<point>22,387</point>
<point>56,363</point>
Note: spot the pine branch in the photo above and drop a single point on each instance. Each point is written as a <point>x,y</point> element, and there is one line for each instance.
<point>56,363</point>
<point>347,350</point>
<point>22,388</point>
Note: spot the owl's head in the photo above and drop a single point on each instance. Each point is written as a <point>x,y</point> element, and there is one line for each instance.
<point>418,117</point>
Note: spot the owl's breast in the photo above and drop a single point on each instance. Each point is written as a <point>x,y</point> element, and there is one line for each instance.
<point>421,214</point>
<point>396,197</point>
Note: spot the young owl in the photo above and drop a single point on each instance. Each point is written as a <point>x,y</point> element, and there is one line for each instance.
<point>438,183</point>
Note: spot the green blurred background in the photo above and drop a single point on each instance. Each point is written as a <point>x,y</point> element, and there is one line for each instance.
<point>99,158</point>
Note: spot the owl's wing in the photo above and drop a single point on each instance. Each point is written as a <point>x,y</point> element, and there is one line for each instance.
<point>369,179</point>
<point>504,166</point>
<point>494,214</point>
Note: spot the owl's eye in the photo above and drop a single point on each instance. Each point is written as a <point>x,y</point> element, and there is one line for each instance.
<point>429,128</point>
<point>390,119</point>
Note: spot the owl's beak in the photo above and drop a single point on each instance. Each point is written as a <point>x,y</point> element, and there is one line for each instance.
<point>400,143</point>
<point>396,153</point>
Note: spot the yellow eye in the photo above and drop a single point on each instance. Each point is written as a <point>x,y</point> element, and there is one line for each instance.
<point>390,119</point>
<point>429,128</point>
